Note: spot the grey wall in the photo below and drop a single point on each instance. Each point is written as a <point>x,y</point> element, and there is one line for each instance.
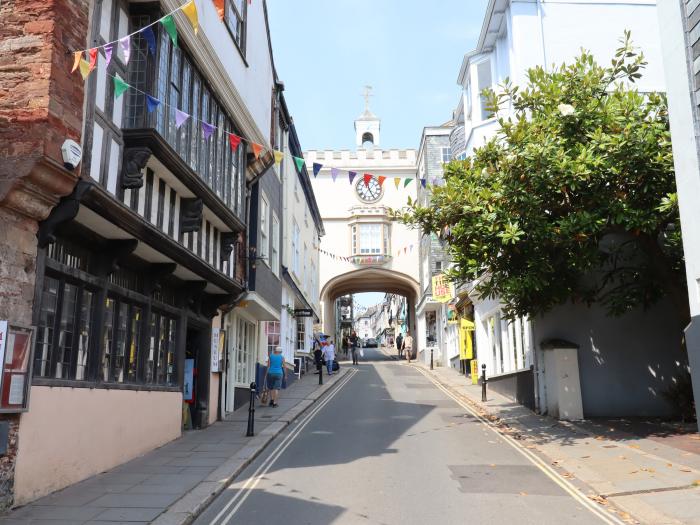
<point>261,279</point>
<point>625,363</point>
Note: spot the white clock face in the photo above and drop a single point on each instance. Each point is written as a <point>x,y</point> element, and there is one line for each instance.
<point>370,192</point>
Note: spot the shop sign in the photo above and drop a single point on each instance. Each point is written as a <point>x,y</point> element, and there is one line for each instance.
<point>215,350</point>
<point>475,372</point>
<point>303,312</point>
<point>452,316</point>
<point>15,348</point>
<point>443,289</point>
<point>188,392</point>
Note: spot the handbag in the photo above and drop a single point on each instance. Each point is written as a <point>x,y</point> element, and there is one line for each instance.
<point>264,397</point>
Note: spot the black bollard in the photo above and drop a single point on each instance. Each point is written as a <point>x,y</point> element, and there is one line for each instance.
<point>431,358</point>
<point>251,411</point>
<point>483,383</point>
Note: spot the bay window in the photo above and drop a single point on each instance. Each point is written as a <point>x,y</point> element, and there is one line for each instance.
<point>370,238</point>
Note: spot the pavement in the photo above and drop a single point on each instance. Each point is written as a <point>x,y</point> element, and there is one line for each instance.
<point>642,471</point>
<point>174,483</point>
<point>389,446</point>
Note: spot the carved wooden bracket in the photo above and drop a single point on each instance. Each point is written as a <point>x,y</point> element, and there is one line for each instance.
<point>211,303</point>
<point>156,274</point>
<point>133,162</point>
<point>191,215</point>
<point>228,241</point>
<point>65,211</point>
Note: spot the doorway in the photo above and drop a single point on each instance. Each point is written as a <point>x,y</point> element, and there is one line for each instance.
<point>196,377</point>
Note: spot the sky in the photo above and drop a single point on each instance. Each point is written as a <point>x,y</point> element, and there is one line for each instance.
<point>368,298</point>
<point>409,51</point>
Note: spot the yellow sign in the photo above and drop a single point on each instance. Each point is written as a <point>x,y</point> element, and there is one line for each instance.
<point>466,349</point>
<point>443,289</point>
<point>475,372</point>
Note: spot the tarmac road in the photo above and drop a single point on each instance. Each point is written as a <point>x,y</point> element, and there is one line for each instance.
<point>388,447</point>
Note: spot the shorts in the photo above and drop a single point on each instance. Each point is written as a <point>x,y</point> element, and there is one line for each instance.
<point>274,381</point>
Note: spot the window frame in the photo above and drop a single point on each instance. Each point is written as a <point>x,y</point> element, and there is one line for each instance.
<point>264,232</point>
<point>275,251</point>
<point>241,18</point>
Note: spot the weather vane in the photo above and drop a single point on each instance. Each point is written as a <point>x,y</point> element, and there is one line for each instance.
<point>367,94</point>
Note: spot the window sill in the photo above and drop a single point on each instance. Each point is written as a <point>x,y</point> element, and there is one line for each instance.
<point>67,383</point>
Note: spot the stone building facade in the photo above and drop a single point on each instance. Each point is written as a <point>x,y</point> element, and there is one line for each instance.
<point>40,107</point>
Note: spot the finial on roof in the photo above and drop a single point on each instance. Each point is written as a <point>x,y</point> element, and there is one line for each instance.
<point>367,94</point>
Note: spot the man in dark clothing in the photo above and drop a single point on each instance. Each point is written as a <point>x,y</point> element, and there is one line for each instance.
<point>399,342</point>
<point>353,347</point>
<point>318,356</point>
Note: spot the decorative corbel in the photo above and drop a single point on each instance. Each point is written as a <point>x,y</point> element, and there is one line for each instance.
<point>228,241</point>
<point>65,211</point>
<point>134,160</point>
<point>191,215</point>
<point>156,274</point>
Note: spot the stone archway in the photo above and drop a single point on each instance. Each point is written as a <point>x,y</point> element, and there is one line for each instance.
<point>368,280</point>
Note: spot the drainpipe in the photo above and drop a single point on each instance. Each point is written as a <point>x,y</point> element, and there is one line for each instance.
<point>539,15</point>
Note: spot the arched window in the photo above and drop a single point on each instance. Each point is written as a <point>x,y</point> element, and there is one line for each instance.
<point>367,140</point>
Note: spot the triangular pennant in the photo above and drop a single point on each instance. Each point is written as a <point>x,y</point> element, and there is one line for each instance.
<point>257,149</point>
<point>207,130</point>
<point>406,182</point>
<point>169,25</point>
<point>316,168</point>
<point>147,33</point>
<point>220,9</point>
<point>125,44</point>
<point>92,53</point>
<point>404,249</point>
<point>423,182</point>
<point>410,248</point>
<point>234,140</point>
<point>433,181</point>
<point>76,60</point>
<point>119,86</point>
<point>351,175</point>
<point>180,118</point>
<point>108,53</point>
<point>279,155</point>
<point>190,10</point>
<point>334,173</point>
<point>397,181</point>
<point>84,68</point>
<point>299,162</point>
<point>381,180</point>
<point>367,177</point>
<point>151,103</point>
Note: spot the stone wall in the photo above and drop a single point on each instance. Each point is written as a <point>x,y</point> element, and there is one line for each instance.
<point>41,104</point>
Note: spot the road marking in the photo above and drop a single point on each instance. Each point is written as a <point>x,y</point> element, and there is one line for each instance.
<point>249,485</point>
<point>539,463</point>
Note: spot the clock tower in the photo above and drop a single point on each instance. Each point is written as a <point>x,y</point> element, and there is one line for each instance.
<point>367,125</point>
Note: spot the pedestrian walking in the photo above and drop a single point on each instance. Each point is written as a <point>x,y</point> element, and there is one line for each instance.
<point>329,356</point>
<point>345,345</point>
<point>399,342</point>
<point>318,356</point>
<point>275,374</point>
<point>353,347</point>
<point>407,345</point>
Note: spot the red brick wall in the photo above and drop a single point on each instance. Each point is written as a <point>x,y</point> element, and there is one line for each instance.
<point>41,102</point>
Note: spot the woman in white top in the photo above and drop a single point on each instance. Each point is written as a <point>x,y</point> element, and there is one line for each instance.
<point>329,356</point>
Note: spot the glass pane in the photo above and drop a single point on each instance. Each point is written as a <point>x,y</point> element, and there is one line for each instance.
<point>45,327</point>
<point>66,332</point>
<point>107,338</point>
<point>171,377</point>
<point>154,343</point>
<point>119,350</point>
<point>135,317</point>
<point>83,334</point>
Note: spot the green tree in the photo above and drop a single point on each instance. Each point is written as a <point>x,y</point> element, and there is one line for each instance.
<point>574,197</point>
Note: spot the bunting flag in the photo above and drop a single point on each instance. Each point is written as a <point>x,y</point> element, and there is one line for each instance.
<point>381,180</point>
<point>77,56</point>
<point>334,174</point>
<point>279,155</point>
<point>125,44</point>
<point>180,118</point>
<point>367,177</point>
<point>169,25</point>
<point>299,162</point>
<point>84,68</point>
<point>119,86</point>
<point>234,140</point>
<point>219,4</point>
<point>423,182</point>
<point>150,39</point>
<point>405,248</point>
<point>108,53</point>
<point>317,167</point>
<point>397,181</point>
<point>351,175</point>
<point>257,149</point>
<point>151,103</point>
<point>207,130</point>
<point>190,11</point>
<point>92,53</point>
<point>433,181</point>
<point>406,182</point>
